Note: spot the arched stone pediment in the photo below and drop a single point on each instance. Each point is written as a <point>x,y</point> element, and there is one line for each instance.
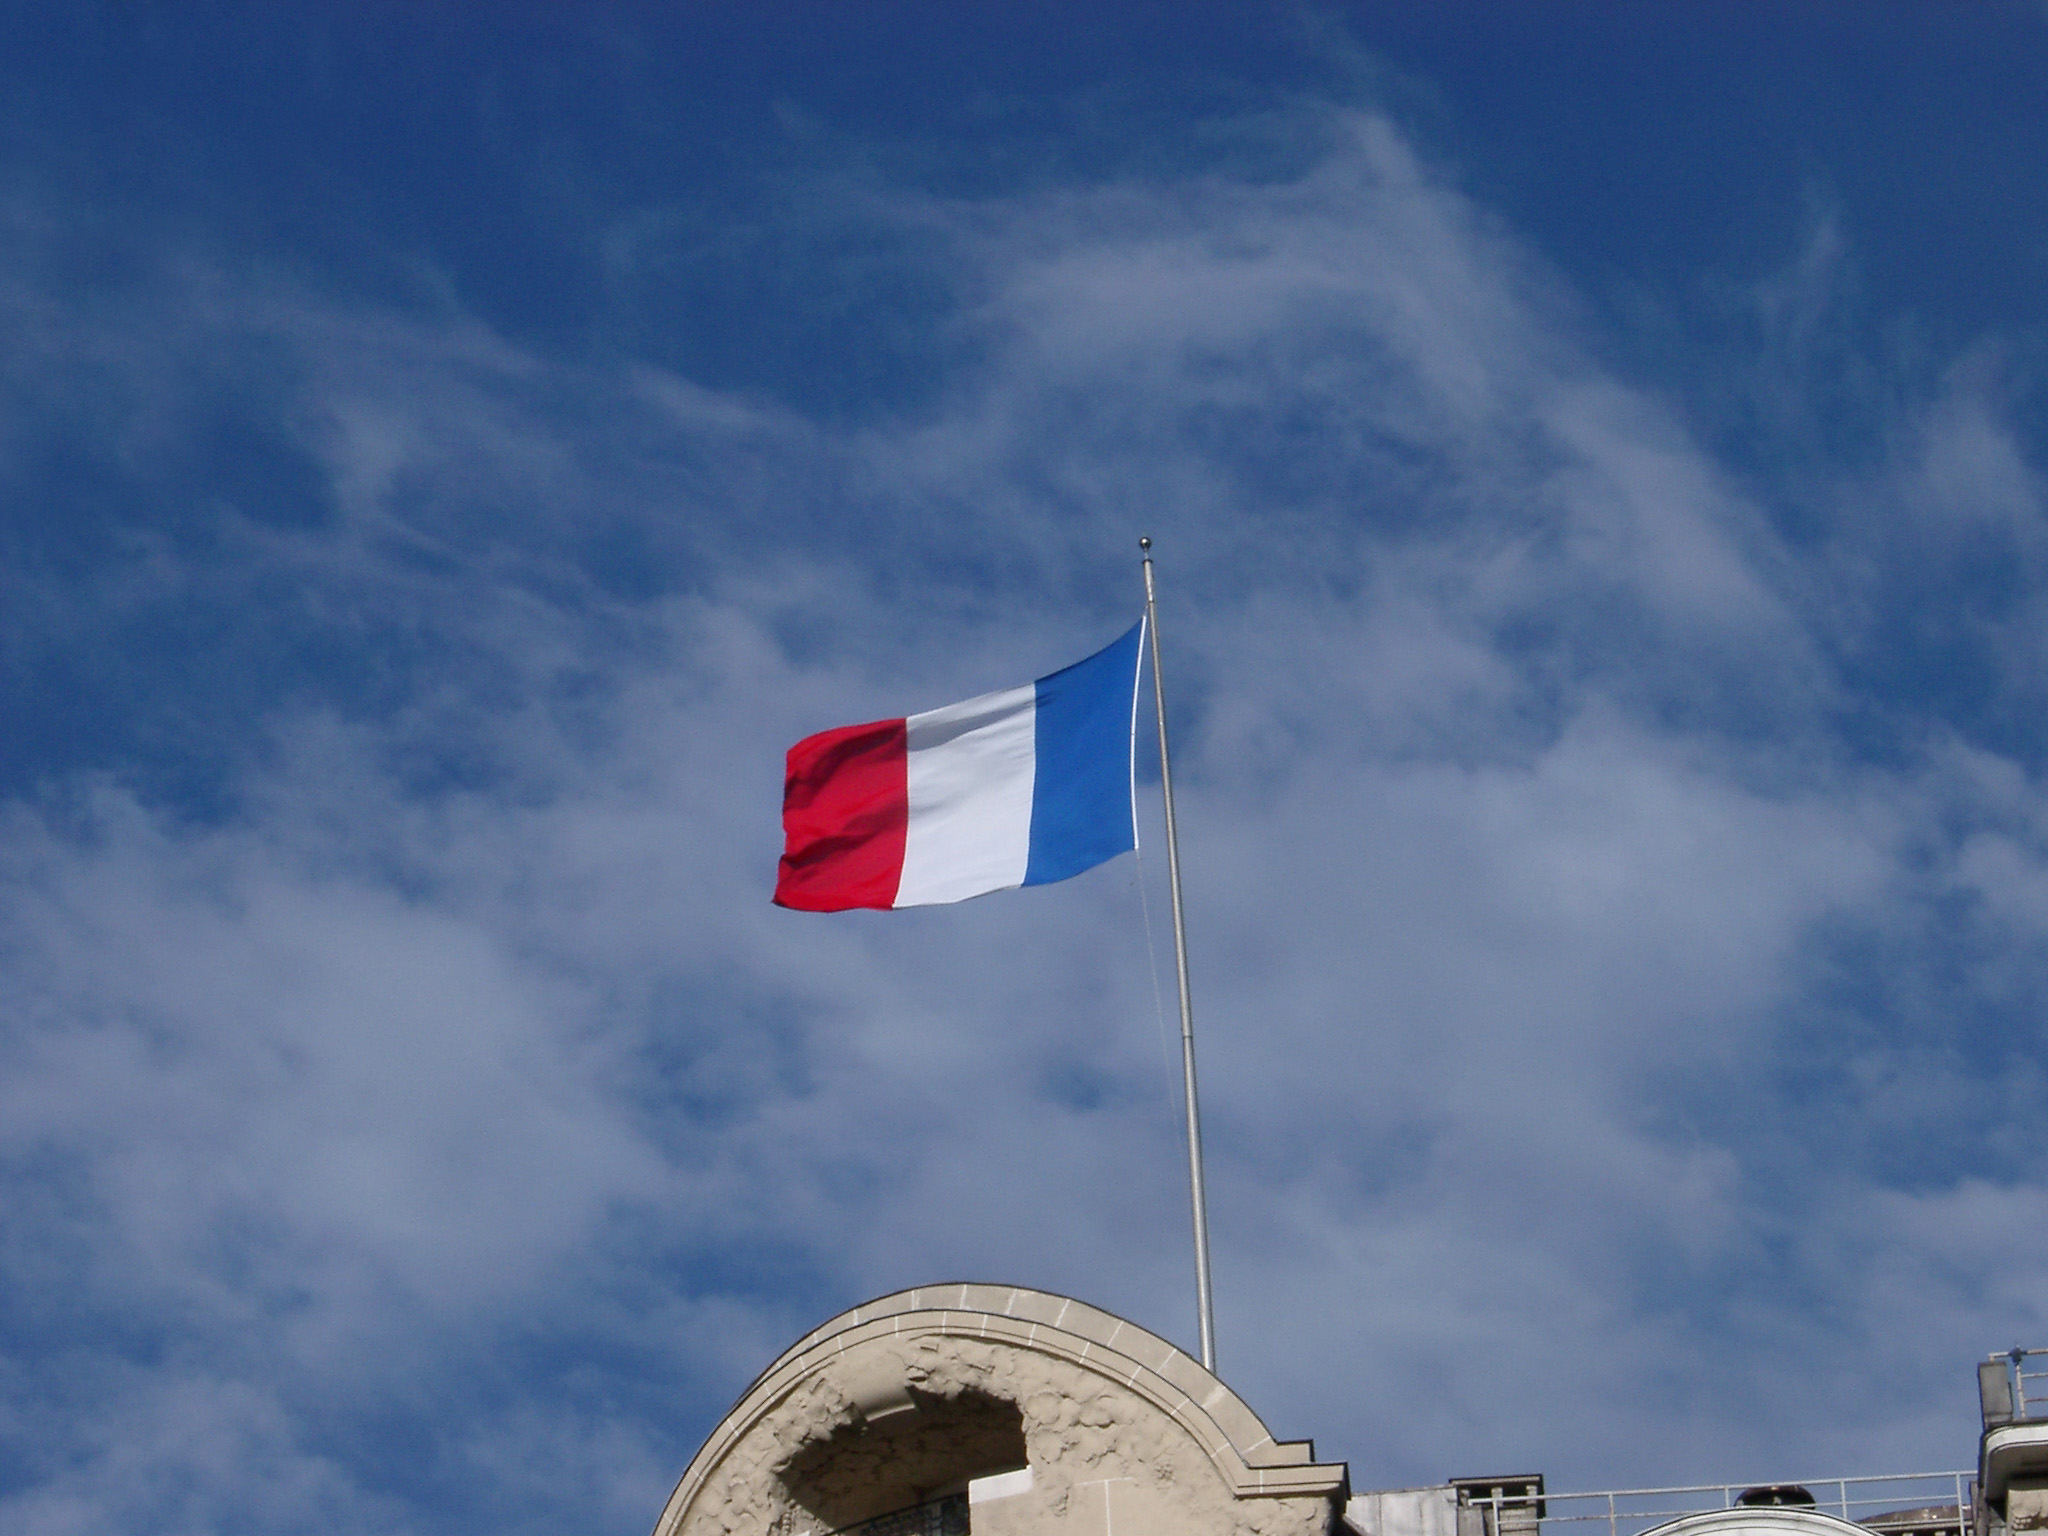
<point>912,1396</point>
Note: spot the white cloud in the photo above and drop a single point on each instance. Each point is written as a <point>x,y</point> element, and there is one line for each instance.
<point>1519,825</point>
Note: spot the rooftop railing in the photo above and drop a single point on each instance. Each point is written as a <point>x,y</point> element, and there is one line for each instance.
<point>1907,1504</point>
<point>2009,1392</point>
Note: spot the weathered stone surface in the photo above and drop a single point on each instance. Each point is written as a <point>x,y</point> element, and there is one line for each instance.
<point>1113,1445</point>
<point>2026,1505</point>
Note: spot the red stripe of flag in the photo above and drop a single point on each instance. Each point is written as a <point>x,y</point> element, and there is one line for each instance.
<point>845,810</point>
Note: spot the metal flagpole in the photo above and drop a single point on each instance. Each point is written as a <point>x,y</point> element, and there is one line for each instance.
<point>1203,1306</point>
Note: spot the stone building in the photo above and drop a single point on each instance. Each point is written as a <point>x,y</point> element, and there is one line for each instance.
<point>1006,1411</point>
<point>1009,1412</point>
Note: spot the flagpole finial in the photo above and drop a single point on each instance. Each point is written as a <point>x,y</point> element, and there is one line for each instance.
<point>1145,542</point>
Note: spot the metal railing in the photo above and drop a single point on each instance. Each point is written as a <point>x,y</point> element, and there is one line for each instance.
<point>2021,1376</point>
<point>936,1517</point>
<point>2002,1383</point>
<point>1906,1504</point>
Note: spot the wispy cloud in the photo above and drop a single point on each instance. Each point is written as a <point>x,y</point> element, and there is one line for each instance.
<point>434,1127</point>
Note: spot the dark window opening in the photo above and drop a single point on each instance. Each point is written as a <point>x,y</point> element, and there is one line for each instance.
<point>907,1460</point>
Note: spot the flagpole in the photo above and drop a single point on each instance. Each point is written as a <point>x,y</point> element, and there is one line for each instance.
<point>1203,1307</point>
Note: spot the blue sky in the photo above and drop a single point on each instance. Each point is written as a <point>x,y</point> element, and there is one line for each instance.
<point>446,457</point>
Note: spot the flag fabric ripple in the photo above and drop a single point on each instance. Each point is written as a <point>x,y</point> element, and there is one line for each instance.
<point>1020,787</point>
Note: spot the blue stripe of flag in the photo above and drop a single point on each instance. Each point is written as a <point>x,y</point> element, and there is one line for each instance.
<point>1081,811</point>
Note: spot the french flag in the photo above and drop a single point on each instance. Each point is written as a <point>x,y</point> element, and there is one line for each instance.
<point>1021,787</point>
